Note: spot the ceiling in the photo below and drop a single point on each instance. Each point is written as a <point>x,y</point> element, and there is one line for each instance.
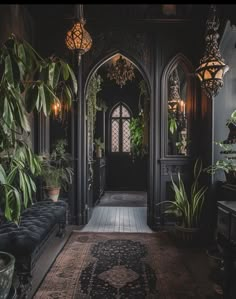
<point>129,11</point>
<point>117,11</point>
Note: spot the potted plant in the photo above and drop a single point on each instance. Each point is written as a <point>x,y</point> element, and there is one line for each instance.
<point>227,163</point>
<point>231,124</point>
<point>7,263</point>
<point>99,147</point>
<point>56,170</point>
<point>187,204</point>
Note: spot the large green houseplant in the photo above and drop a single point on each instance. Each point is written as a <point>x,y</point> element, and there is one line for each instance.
<point>187,204</point>
<point>28,82</point>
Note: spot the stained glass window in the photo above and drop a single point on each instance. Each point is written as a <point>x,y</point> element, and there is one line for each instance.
<point>126,135</point>
<point>120,132</point>
<point>115,135</point>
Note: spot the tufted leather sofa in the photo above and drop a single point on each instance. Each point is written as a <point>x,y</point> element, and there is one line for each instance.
<point>27,240</point>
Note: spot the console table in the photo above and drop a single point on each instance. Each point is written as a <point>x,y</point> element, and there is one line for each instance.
<point>226,237</point>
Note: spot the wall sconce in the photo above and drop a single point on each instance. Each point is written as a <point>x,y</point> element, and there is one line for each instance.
<point>212,66</point>
<point>56,109</point>
<point>121,71</point>
<point>78,38</point>
<point>175,103</point>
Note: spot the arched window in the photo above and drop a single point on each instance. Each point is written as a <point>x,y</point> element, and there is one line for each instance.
<point>120,132</point>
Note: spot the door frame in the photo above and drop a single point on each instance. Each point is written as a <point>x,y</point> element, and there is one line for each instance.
<point>82,198</point>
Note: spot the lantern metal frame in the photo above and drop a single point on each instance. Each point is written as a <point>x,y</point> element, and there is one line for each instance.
<point>212,66</point>
<point>78,38</point>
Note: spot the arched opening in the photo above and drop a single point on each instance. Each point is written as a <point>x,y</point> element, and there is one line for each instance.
<point>118,103</point>
<point>178,114</point>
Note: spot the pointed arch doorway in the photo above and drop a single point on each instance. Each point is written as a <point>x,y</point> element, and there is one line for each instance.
<point>124,169</point>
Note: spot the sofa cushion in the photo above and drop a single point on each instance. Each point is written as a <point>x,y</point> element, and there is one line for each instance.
<point>35,224</point>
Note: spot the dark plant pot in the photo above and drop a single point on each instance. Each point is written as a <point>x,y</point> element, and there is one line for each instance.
<point>187,235</point>
<point>232,133</point>
<point>7,263</point>
<point>231,177</point>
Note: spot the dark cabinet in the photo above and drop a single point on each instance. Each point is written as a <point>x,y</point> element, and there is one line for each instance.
<point>225,191</point>
<point>99,179</point>
<point>226,236</point>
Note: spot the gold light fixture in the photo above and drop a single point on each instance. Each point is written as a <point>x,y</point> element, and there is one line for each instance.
<point>78,38</point>
<point>56,109</point>
<point>212,66</point>
<point>121,71</point>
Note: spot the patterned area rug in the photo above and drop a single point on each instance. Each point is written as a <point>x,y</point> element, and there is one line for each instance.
<point>118,266</point>
<point>124,199</point>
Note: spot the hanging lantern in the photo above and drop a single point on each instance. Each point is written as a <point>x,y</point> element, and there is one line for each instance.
<point>212,66</point>
<point>78,38</point>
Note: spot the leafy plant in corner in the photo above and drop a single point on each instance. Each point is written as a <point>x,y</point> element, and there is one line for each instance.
<point>227,163</point>
<point>136,136</point>
<point>56,167</point>
<point>27,83</point>
<point>187,205</point>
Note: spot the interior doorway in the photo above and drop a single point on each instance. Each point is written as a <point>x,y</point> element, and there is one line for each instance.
<point>118,104</point>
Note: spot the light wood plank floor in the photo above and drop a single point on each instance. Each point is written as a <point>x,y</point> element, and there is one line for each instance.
<point>118,219</point>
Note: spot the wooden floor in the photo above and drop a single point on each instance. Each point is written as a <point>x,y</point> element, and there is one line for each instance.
<point>118,219</point>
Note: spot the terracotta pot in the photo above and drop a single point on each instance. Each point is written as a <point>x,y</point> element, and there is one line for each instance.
<point>52,192</point>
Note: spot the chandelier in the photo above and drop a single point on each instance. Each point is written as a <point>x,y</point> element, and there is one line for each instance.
<point>78,38</point>
<point>121,71</point>
<point>212,66</point>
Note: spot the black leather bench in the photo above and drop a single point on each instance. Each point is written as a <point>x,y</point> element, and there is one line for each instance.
<point>26,241</point>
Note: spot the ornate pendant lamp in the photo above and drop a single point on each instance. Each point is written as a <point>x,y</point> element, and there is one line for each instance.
<point>78,38</point>
<point>212,66</point>
<point>121,71</point>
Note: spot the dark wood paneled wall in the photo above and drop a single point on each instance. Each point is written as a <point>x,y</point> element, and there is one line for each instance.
<point>150,44</point>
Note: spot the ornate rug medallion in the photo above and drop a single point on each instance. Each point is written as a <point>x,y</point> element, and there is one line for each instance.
<point>119,271</point>
<point>118,276</point>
